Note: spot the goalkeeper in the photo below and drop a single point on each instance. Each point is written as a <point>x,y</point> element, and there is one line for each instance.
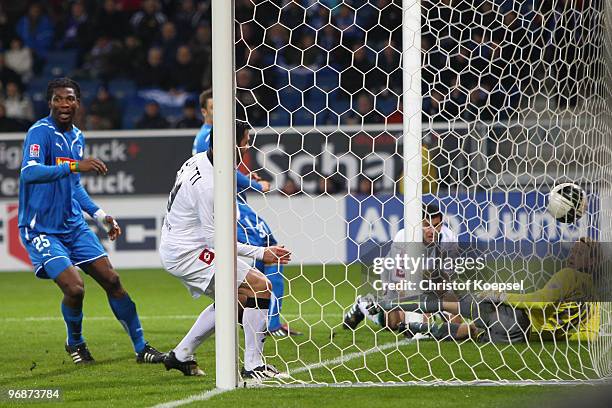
<point>558,310</point>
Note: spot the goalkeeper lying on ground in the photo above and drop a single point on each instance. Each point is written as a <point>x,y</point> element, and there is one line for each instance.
<point>558,310</point>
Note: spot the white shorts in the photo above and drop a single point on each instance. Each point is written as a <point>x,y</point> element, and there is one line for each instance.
<point>196,269</point>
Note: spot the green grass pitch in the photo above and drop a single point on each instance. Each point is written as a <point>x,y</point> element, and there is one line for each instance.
<point>33,357</point>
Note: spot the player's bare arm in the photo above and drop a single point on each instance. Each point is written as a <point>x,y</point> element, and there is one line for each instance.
<point>277,254</point>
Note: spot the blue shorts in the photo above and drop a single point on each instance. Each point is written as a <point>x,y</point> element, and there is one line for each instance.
<point>51,254</point>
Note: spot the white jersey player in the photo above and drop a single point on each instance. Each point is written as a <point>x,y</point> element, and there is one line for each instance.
<point>187,252</point>
<point>435,235</point>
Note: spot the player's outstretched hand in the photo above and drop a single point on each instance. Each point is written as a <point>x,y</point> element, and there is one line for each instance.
<point>276,254</point>
<point>265,185</point>
<point>114,230</point>
<point>91,164</point>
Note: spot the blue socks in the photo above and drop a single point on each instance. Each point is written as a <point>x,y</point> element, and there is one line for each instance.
<point>74,324</point>
<point>275,274</point>
<point>125,311</point>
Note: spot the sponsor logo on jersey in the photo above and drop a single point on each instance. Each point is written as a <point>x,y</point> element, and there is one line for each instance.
<point>34,150</point>
<point>62,160</point>
<point>207,256</point>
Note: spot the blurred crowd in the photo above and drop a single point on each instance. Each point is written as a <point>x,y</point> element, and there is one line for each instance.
<point>147,44</point>
<point>299,62</point>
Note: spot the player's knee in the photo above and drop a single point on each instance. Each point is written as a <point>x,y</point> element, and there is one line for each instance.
<point>112,284</point>
<point>75,291</point>
<point>263,287</point>
<point>259,285</point>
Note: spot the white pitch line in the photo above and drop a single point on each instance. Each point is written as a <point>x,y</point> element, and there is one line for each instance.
<point>351,356</point>
<point>197,397</point>
<point>160,317</point>
<point>339,360</point>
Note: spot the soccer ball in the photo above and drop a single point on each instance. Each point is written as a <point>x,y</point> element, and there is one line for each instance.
<point>567,202</point>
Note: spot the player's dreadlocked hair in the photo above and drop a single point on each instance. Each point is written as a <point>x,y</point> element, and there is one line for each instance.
<point>62,83</point>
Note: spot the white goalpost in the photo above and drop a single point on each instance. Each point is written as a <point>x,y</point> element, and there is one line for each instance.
<point>412,119</point>
<point>226,296</point>
<point>479,108</point>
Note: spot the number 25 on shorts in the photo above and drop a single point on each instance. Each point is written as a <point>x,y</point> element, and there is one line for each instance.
<point>40,242</point>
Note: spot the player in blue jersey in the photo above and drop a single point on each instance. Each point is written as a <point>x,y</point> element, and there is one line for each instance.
<point>202,142</point>
<point>53,229</point>
<point>202,139</point>
<point>252,229</point>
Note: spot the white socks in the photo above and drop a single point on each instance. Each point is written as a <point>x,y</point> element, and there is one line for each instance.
<point>254,322</point>
<point>203,327</point>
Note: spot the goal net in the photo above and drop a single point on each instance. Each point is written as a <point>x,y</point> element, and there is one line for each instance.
<point>513,100</point>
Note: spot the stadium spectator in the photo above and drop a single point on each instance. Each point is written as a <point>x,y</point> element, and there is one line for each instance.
<point>132,57</point>
<point>18,106</point>
<point>110,21</point>
<point>353,78</point>
<point>190,119</point>
<point>106,107</point>
<point>9,124</point>
<point>252,104</point>
<point>19,58</point>
<point>201,48</point>
<point>6,74</point>
<point>312,56</point>
<point>94,121</point>
<point>147,22</point>
<point>36,30</point>
<point>77,30</point>
<point>389,63</point>
<point>152,118</point>
<point>100,62</point>
<point>187,73</point>
<point>190,16</point>
<point>364,112</point>
<point>153,74</point>
<point>6,25</point>
<point>168,41</point>
<point>292,15</point>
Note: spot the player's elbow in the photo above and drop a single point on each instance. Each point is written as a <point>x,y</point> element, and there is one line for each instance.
<point>27,175</point>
